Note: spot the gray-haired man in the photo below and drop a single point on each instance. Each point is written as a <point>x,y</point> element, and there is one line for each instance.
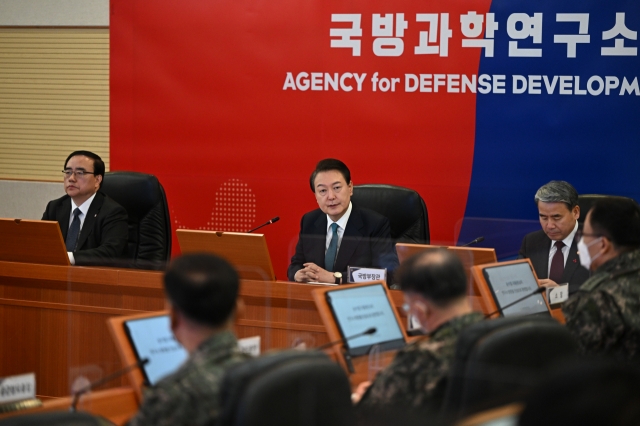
<point>553,250</point>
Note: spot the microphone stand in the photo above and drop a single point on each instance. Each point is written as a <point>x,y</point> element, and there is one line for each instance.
<point>269,222</point>
<point>536,291</point>
<point>106,379</point>
<point>345,351</point>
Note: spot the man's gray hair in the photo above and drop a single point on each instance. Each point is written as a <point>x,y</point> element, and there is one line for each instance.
<point>558,191</point>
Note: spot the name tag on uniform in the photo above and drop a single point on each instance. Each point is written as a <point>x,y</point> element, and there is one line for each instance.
<point>363,275</point>
<point>557,295</point>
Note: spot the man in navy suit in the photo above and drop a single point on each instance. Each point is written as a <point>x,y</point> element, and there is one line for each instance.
<point>94,227</point>
<point>559,212</point>
<point>339,234</point>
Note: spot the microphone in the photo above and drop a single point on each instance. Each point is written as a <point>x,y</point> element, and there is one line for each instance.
<point>533,293</point>
<point>269,222</point>
<point>476,241</point>
<point>367,332</point>
<point>107,379</point>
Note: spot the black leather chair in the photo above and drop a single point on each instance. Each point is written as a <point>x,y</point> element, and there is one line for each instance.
<point>290,388</point>
<point>144,199</point>
<point>497,361</point>
<point>586,201</point>
<point>404,207</point>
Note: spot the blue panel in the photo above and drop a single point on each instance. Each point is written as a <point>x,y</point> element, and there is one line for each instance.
<point>525,140</point>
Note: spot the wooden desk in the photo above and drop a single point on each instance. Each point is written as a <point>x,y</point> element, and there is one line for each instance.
<point>53,319</point>
<point>116,404</point>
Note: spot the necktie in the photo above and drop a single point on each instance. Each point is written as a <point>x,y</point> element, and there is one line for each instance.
<point>557,263</point>
<point>330,255</point>
<point>74,231</point>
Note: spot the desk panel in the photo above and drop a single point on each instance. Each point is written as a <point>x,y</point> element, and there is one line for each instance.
<point>53,319</point>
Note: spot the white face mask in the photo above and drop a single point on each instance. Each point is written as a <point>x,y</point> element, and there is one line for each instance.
<point>583,252</point>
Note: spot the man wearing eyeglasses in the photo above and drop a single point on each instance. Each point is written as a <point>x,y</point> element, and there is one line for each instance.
<point>94,227</point>
<point>604,314</point>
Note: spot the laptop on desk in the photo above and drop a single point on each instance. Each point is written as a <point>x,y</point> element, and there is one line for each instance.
<point>248,253</point>
<point>32,241</point>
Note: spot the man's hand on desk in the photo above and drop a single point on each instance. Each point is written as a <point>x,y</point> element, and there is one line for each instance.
<point>547,283</point>
<point>356,396</point>
<point>312,272</point>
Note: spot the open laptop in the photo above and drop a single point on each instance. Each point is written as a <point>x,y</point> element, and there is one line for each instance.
<point>151,338</point>
<point>359,308</point>
<point>248,253</point>
<point>32,241</point>
<point>511,281</point>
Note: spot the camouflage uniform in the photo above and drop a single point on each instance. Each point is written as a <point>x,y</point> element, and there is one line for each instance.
<point>417,376</point>
<point>190,395</point>
<point>605,313</point>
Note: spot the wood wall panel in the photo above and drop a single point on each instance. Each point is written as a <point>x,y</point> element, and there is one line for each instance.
<point>54,98</point>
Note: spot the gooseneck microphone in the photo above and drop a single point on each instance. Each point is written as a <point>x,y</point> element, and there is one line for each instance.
<point>536,291</point>
<point>476,241</point>
<point>269,222</point>
<point>345,352</point>
<point>107,379</point>
<point>367,332</point>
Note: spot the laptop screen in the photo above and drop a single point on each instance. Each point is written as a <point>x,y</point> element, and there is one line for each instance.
<point>357,309</point>
<point>514,281</point>
<point>152,338</point>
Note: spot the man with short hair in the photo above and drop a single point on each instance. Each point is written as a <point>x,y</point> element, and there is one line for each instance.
<point>95,228</point>
<point>553,250</point>
<point>339,234</point>
<point>435,290</point>
<point>605,313</point>
<point>202,290</point>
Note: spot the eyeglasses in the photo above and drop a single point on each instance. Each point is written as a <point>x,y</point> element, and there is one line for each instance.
<point>581,234</point>
<point>79,173</point>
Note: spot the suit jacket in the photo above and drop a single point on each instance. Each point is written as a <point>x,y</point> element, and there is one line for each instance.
<point>536,246</point>
<point>105,231</point>
<point>366,242</point>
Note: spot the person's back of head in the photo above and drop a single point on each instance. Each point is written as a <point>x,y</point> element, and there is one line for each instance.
<point>436,275</point>
<point>617,219</point>
<point>202,286</point>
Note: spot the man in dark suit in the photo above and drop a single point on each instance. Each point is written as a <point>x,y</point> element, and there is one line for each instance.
<point>94,227</point>
<point>553,251</point>
<point>339,234</point>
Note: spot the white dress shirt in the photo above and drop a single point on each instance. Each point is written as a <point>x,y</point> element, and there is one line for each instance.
<point>342,224</point>
<point>565,250</point>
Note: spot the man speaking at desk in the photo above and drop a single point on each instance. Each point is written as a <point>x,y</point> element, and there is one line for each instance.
<point>339,234</point>
<point>94,227</point>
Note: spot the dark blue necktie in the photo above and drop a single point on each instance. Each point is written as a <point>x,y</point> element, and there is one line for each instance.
<point>74,231</point>
<point>330,255</point>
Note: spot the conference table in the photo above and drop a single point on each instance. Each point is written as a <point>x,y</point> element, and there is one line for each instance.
<point>53,321</point>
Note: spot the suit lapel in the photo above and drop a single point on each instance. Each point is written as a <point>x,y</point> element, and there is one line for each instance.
<point>90,220</point>
<point>319,232</point>
<point>350,240</point>
<point>63,213</point>
<point>542,258</point>
<point>572,262</point>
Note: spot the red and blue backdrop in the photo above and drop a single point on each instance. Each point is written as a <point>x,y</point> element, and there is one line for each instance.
<point>474,104</point>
